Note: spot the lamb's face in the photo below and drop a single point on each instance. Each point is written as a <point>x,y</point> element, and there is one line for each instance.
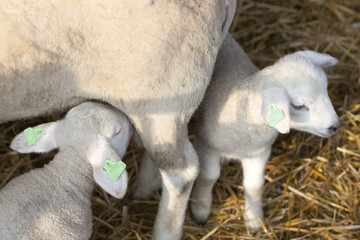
<point>119,132</point>
<point>310,107</point>
<point>102,133</point>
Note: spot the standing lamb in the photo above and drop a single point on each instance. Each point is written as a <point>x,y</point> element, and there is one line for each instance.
<point>53,202</point>
<point>151,59</point>
<point>243,111</point>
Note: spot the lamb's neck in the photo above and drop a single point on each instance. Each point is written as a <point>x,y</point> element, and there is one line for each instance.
<point>253,88</point>
<point>73,171</point>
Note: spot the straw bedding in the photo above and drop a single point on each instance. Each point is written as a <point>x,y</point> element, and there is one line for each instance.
<point>312,188</point>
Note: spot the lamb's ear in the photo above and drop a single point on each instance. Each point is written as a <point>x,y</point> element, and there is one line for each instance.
<point>108,169</point>
<point>39,139</point>
<point>320,59</point>
<point>275,108</point>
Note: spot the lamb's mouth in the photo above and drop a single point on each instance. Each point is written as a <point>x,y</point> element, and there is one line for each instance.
<point>321,134</point>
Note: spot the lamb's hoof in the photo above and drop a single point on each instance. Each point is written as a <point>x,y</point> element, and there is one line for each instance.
<point>200,213</point>
<point>254,224</point>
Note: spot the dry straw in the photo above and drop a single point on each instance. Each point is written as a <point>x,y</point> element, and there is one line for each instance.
<point>312,188</point>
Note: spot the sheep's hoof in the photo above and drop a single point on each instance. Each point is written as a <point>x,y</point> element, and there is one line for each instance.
<point>139,192</point>
<point>200,213</point>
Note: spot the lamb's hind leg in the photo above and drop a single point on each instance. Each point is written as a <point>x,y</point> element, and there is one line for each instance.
<point>210,165</point>
<point>166,141</point>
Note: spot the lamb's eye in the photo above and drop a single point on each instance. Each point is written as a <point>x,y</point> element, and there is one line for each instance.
<point>117,131</point>
<point>300,107</point>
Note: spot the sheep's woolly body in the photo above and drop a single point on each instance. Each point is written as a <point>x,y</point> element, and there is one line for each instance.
<point>122,54</point>
<point>151,59</point>
<point>51,202</point>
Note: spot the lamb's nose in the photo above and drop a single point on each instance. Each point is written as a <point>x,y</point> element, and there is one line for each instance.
<point>333,129</point>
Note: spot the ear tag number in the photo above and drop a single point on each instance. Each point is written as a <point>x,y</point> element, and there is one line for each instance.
<point>33,134</point>
<point>114,169</point>
<point>275,115</point>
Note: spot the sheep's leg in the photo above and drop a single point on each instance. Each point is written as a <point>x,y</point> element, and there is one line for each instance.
<point>253,171</point>
<point>178,175</point>
<point>148,180</point>
<point>166,140</point>
<point>210,166</point>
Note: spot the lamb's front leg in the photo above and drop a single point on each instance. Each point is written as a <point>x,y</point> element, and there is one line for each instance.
<point>253,172</point>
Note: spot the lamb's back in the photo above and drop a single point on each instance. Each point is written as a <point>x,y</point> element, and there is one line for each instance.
<point>40,205</point>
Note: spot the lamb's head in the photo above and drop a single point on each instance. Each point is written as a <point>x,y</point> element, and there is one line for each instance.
<point>90,124</point>
<point>99,132</point>
<point>295,94</point>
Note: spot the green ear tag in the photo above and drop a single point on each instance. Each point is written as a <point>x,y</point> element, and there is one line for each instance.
<point>275,115</point>
<point>33,134</point>
<point>114,169</point>
<point>327,62</point>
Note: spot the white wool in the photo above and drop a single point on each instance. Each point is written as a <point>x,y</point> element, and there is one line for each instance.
<point>152,59</point>
<point>234,118</point>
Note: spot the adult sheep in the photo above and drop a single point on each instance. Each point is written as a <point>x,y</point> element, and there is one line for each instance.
<point>152,59</point>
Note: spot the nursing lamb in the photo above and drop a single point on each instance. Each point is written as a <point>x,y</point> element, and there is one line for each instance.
<point>53,202</point>
<point>243,111</point>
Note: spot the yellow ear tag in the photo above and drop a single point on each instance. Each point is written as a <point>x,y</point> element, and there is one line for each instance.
<point>275,115</point>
